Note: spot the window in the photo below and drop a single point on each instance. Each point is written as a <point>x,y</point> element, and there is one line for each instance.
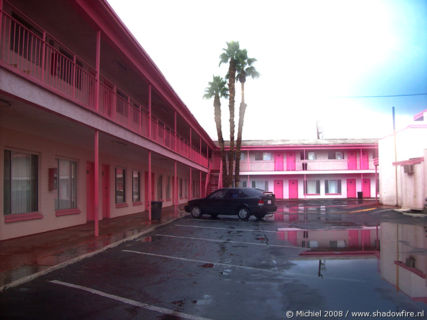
<point>136,186</point>
<point>242,156</point>
<point>266,185</point>
<point>258,156</point>
<point>337,244</point>
<point>218,194</point>
<point>67,185</point>
<point>120,178</point>
<point>311,155</point>
<point>338,155</point>
<point>303,156</point>
<point>20,185</point>
<point>333,186</point>
<point>168,189</point>
<point>160,188</point>
<point>312,187</point>
<point>267,156</point>
<point>244,184</point>
<point>253,184</point>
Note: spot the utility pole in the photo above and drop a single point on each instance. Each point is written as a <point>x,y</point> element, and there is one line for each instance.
<point>395,155</point>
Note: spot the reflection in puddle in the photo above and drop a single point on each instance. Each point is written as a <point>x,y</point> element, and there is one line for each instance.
<point>401,261</point>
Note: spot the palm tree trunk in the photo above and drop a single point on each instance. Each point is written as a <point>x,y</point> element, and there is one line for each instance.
<point>242,111</point>
<point>217,108</point>
<point>231,88</point>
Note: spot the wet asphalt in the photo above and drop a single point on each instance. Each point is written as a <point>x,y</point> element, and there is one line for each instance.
<point>217,269</point>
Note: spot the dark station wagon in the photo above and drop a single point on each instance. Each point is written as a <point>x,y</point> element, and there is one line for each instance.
<point>231,201</point>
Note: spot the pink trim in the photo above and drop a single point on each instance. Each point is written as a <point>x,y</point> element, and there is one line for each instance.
<point>16,217</point>
<point>410,161</point>
<point>420,299</point>
<point>333,194</point>
<point>338,253</point>
<point>122,205</point>
<point>67,212</point>
<point>307,147</point>
<point>138,203</point>
<point>413,270</point>
<point>419,115</point>
<point>312,194</point>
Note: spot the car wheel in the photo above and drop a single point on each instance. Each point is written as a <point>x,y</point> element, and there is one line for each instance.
<point>243,214</point>
<point>260,216</point>
<point>196,212</point>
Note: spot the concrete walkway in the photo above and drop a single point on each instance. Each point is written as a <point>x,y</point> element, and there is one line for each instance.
<point>23,259</point>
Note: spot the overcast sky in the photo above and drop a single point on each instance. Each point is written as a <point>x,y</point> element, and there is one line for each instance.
<point>310,55</point>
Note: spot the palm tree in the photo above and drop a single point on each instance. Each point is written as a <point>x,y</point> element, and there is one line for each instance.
<point>230,56</point>
<point>217,89</point>
<point>244,69</point>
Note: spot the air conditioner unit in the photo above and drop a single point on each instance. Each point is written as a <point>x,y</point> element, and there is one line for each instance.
<point>408,169</point>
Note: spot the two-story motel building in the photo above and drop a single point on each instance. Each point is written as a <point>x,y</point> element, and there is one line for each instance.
<point>90,129</point>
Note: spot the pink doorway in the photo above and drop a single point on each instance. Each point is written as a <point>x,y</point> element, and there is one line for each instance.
<point>90,180</point>
<point>353,238</point>
<point>278,189</point>
<point>352,160</point>
<point>366,188</point>
<point>364,161</point>
<point>293,189</point>
<point>105,191</point>
<point>290,161</point>
<point>278,161</point>
<point>366,239</point>
<point>351,188</point>
<point>292,237</point>
<point>153,192</point>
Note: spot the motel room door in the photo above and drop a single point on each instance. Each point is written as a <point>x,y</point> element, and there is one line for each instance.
<point>90,177</point>
<point>153,192</point>
<point>351,188</point>
<point>352,160</point>
<point>278,189</point>
<point>293,189</point>
<point>366,188</point>
<point>278,161</point>
<point>105,191</point>
<point>290,161</point>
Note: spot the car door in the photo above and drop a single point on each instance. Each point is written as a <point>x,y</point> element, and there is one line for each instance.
<point>214,203</point>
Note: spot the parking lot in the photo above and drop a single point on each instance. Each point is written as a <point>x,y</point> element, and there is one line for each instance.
<point>218,269</point>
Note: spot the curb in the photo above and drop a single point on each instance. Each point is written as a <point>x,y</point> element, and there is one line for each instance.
<point>82,257</point>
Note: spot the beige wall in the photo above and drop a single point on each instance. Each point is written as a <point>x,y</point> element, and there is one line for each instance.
<point>49,151</point>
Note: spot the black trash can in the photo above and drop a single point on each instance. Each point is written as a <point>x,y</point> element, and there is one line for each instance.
<point>360,195</point>
<point>156,210</point>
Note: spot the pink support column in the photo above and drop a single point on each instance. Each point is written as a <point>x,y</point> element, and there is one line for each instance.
<point>200,185</point>
<point>96,184</point>
<point>249,165</point>
<point>191,145</point>
<point>376,184</point>
<point>190,195</point>
<point>175,131</point>
<point>149,110</point>
<point>97,68</point>
<point>149,186</point>
<point>175,184</point>
<point>74,75</point>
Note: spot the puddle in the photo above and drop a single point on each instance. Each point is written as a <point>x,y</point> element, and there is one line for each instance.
<point>207,265</point>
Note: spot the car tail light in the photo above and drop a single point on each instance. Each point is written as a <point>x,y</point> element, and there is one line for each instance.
<point>260,202</point>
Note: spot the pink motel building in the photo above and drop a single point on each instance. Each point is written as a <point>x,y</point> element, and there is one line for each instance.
<point>88,123</point>
<point>90,129</point>
<point>306,169</point>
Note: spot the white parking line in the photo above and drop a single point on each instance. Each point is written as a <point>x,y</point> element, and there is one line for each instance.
<point>282,273</point>
<point>130,301</point>
<point>225,241</point>
<point>217,228</point>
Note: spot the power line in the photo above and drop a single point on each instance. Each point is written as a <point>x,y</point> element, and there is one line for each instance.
<point>383,96</point>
